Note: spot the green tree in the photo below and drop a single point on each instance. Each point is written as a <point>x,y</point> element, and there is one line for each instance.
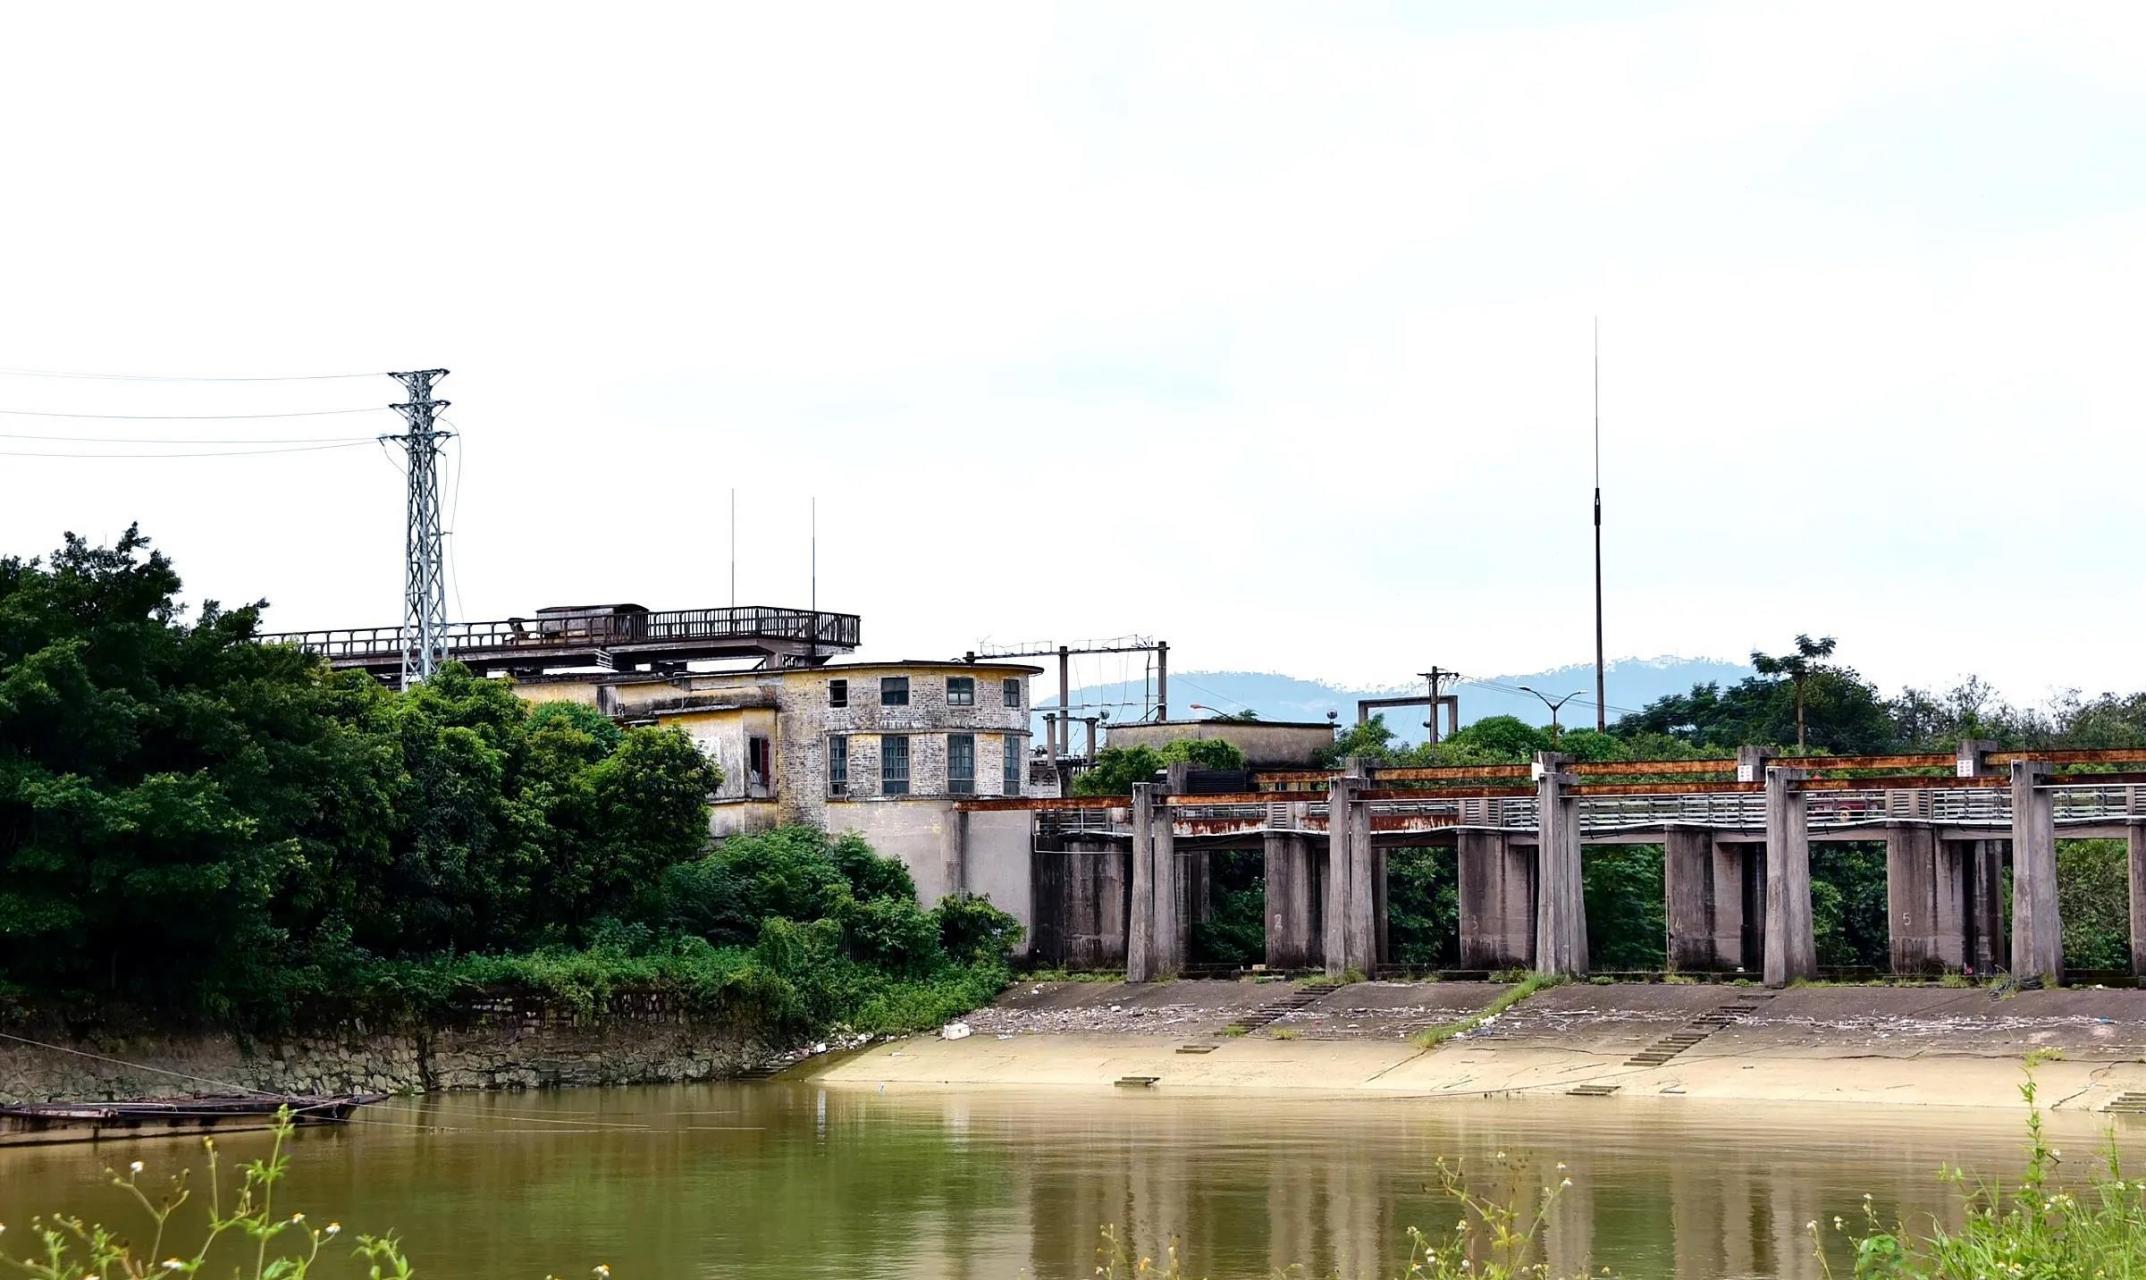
<point>1799,667</point>
<point>2094,902</point>
<point>154,780</point>
<point>195,821</point>
<point>1116,769</point>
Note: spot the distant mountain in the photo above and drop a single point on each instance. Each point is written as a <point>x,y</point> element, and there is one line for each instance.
<point>1632,683</point>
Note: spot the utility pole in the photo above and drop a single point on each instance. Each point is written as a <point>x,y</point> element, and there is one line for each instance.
<point>1162,680</point>
<point>1062,739</point>
<point>424,595</point>
<point>1436,676</point>
<point>1065,702</point>
<point>1601,693</point>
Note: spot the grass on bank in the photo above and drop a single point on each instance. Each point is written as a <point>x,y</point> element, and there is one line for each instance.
<point>1432,1037</point>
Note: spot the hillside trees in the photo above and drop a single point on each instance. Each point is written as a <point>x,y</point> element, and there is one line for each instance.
<point>187,816</point>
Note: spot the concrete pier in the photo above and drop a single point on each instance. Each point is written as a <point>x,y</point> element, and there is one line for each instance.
<point>1497,902</point>
<point>1560,908</point>
<point>1292,889</point>
<point>1080,903</point>
<point>1169,921</point>
<point>1791,946</point>
<point>2135,842</point>
<point>1140,914</point>
<point>1351,933</point>
<point>2037,930</point>
<point>1703,901</point>
<point>1925,900</point>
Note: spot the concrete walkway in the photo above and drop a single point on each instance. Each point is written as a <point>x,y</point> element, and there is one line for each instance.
<point>1928,1046</point>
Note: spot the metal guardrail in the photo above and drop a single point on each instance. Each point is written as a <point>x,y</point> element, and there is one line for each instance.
<point>2075,804</point>
<point>597,629</point>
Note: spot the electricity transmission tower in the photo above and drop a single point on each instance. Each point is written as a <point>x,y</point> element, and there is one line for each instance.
<point>424,610</point>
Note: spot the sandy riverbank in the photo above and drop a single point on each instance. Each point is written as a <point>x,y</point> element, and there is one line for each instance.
<point>1927,1046</point>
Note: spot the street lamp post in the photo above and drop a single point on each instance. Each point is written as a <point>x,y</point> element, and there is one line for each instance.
<point>1554,706</point>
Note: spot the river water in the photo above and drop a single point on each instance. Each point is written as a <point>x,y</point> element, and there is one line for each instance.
<point>796,1181</point>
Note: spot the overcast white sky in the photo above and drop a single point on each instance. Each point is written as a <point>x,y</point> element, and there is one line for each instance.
<point>1260,328</point>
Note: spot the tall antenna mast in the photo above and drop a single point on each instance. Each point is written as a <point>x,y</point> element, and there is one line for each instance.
<point>733,548</point>
<point>815,575</point>
<point>1601,696</point>
<point>424,581</point>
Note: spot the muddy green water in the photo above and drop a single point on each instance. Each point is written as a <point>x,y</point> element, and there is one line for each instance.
<point>794,1181</point>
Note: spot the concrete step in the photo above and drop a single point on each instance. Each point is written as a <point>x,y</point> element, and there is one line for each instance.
<point>2128,1104</point>
<point>1696,1030</point>
<point>1592,1090</point>
<point>1299,998</point>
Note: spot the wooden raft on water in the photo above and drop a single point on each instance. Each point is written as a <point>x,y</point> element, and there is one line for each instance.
<point>37,1123</point>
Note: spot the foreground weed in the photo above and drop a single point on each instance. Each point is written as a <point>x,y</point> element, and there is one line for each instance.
<point>284,1247</point>
<point>2032,1230</point>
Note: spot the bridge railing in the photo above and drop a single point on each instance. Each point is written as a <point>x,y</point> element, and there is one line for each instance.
<point>594,629</point>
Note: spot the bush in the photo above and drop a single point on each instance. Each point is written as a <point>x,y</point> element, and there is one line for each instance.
<point>894,934</point>
<point>973,931</point>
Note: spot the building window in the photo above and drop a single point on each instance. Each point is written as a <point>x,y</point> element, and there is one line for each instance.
<point>961,764</point>
<point>838,765</point>
<point>1012,785</point>
<point>838,693</point>
<point>894,691</point>
<point>757,767</point>
<point>894,766</point>
<point>961,691</point>
<point>1010,691</point>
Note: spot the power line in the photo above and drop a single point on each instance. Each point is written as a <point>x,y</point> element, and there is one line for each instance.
<point>454,509</point>
<point>188,417</point>
<point>212,453</point>
<point>12,435</point>
<point>158,377</point>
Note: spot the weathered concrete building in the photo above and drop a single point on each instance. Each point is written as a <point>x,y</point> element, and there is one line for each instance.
<point>883,749</point>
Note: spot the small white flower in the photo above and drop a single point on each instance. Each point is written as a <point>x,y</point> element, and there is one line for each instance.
<point>136,1167</point>
<point>172,1264</point>
<point>297,1218</point>
<point>1812,1225</point>
<point>1566,1183</point>
<point>334,1227</point>
<point>604,1270</point>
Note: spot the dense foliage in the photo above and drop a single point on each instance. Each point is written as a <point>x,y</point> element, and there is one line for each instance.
<point>202,825</point>
<point>1116,769</point>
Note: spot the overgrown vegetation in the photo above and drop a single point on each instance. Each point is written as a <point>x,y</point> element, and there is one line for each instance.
<point>1116,769</point>
<point>1432,1037</point>
<point>210,828</point>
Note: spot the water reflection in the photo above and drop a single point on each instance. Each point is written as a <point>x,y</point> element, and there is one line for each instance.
<point>794,1180</point>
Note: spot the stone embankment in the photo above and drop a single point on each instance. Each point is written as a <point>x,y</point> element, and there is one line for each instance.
<point>504,1045</point>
